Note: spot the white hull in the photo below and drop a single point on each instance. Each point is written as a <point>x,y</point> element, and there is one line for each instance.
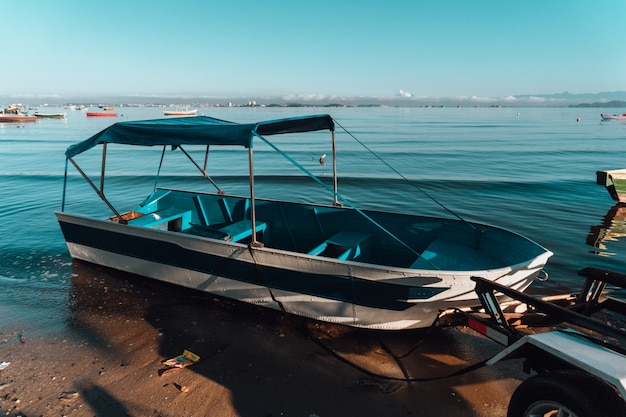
<point>419,313</point>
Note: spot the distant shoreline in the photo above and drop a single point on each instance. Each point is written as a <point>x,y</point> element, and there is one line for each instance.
<point>599,100</point>
<point>611,104</point>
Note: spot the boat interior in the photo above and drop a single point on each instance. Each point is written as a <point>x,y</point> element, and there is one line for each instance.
<point>342,233</point>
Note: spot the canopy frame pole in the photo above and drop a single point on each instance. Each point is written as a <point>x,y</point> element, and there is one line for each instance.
<point>206,159</point>
<point>335,199</point>
<point>254,242</point>
<point>64,187</point>
<point>102,169</point>
<point>95,188</point>
<point>203,171</point>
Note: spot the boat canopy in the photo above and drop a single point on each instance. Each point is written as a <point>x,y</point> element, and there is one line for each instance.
<point>199,130</point>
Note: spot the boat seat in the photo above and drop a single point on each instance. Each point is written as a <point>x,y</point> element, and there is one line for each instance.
<point>344,245</point>
<point>206,231</point>
<point>447,255</point>
<point>172,219</point>
<point>242,229</point>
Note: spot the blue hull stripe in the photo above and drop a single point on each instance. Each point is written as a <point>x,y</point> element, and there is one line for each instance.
<point>341,288</point>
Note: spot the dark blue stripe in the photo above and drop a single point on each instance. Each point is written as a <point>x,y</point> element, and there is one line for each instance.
<point>341,288</point>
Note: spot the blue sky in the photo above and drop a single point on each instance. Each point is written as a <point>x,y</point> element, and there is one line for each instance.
<point>434,48</point>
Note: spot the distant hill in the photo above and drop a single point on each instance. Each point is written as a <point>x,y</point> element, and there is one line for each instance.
<point>613,103</point>
<point>606,96</point>
<point>565,99</point>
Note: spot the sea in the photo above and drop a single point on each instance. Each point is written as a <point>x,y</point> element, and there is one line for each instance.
<point>530,170</point>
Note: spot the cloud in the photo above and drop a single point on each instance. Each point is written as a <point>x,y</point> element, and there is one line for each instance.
<point>403,93</point>
<point>308,97</point>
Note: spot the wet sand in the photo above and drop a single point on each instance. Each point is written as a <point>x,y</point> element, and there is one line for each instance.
<point>253,362</point>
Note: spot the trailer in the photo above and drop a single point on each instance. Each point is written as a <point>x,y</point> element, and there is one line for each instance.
<point>573,345</point>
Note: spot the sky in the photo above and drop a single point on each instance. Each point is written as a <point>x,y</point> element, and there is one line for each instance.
<point>313,48</point>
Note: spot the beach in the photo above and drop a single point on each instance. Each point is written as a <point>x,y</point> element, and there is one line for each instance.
<point>253,361</point>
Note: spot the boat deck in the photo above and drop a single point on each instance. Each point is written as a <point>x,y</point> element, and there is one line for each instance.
<point>328,231</point>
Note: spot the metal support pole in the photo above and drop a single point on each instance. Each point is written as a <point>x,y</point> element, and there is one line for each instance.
<point>335,200</point>
<point>104,159</point>
<point>254,242</point>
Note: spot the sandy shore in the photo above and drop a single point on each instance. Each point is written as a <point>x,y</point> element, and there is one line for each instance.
<point>253,362</point>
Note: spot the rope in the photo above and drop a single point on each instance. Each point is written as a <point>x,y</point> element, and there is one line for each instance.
<point>337,195</point>
<point>403,177</point>
<point>396,358</point>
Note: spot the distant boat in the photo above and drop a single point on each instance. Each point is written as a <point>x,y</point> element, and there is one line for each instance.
<point>180,112</point>
<point>606,116</point>
<point>50,115</point>
<point>100,114</point>
<point>17,118</point>
<point>15,114</point>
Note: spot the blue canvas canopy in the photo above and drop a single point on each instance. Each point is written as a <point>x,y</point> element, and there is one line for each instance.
<point>199,130</point>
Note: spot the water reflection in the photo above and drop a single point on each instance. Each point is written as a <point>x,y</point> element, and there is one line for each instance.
<point>613,228</point>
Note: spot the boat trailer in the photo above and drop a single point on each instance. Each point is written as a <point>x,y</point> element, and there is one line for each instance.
<point>573,345</point>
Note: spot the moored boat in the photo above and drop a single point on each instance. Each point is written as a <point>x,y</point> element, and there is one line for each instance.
<point>180,112</point>
<point>100,114</point>
<point>16,113</point>
<point>606,116</point>
<point>50,115</point>
<point>17,118</point>
<point>331,262</point>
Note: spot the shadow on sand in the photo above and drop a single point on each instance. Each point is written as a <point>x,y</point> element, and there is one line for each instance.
<point>258,362</point>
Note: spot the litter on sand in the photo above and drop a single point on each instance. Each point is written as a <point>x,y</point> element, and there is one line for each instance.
<point>4,365</point>
<point>187,358</point>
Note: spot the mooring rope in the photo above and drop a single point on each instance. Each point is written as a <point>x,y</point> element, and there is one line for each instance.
<point>440,204</point>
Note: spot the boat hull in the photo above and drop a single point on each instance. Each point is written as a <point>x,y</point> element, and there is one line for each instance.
<point>606,116</point>
<point>50,115</point>
<point>180,112</point>
<point>100,114</point>
<point>17,119</point>
<point>338,291</point>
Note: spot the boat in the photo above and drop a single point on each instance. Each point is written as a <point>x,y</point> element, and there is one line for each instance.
<point>15,114</point>
<point>100,114</point>
<point>180,112</point>
<point>615,183</point>
<point>17,118</point>
<point>606,116</point>
<point>330,262</point>
<point>50,115</point>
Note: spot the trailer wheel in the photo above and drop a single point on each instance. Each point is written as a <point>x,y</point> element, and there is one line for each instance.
<point>565,394</point>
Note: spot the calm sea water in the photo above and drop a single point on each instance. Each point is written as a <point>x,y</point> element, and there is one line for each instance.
<point>529,170</point>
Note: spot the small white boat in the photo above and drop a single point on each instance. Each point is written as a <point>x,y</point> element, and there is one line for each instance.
<point>180,112</point>
<point>606,116</point>
<point>331,262</point>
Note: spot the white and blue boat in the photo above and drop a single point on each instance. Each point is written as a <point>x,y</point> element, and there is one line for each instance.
<point>330,262</point>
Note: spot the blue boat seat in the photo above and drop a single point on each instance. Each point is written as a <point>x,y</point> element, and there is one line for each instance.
<point>172,219</point>
<point>344,245</point>
<point>242,229</point>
